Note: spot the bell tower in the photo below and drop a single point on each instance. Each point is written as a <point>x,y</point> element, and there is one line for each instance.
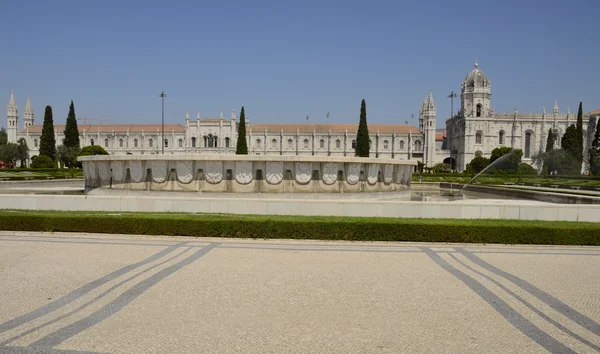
<point>12,119</point>
<point>28,114</point>
<point>429,115</point>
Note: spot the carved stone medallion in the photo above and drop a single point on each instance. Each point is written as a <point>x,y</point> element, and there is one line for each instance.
<point>243,172</point>
<point>274,172</point>
<point>159,171</point>
<point>330,173</point>
<point>185,171</point>
<point>372,173</point>
<point>104,170</point>
<point>136,170</point>
<point>303,172</point>
<point>214,171</point>
<point>353,173</point>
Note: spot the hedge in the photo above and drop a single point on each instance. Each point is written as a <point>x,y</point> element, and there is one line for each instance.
<point>317,228</point>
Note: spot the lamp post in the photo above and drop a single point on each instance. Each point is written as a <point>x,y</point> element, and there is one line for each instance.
<point>451,96</point>
<point>162,97</point>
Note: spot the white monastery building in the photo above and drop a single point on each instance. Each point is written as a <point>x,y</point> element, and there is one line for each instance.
<point>475,131</point>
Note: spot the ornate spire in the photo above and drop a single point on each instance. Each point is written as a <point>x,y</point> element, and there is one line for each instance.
<point>28,108</point>
<point>555,109</point>
<point>198,116</point>
<point>187,115</point>
<point>431,103</point>
<point>12,98</point>
<point>476,65</point>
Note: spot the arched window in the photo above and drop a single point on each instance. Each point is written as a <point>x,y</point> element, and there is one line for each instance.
<point>227,142</point>
<point>501,137</point>
<point>135,143</point>
<point>290,143</point>
<point>418,145</point>
<point>180,143</point>
<point>354,144</point>
<point>274,143</point>
<point>478,138</point>
<point>258,143</point>
<point>166,143</point>
<point>479,110</point>
<point>527,145</point>
<point>306,143</point>
<point>150,143</point>
<point>385,144</point>
<point>338,144</point>
<point>478,153</point>
<point>105,142</point>
<point>401,144</point>
<point>215,141</point>
<point>120,143</point>
<point>193,142</point>
<point>322,144</point>
<point>92,142</point>
<point>35,143</point>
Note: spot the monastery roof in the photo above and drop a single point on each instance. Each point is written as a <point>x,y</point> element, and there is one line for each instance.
<point>594,113</point>
<point>109,128</point>
<point>334,128</point>
<point>439,137</point>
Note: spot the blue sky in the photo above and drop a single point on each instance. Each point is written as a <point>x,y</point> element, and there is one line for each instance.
<point>284,60</point>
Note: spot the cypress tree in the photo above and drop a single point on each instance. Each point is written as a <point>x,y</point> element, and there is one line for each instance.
<point>550,141</point>
<point>362,137</point>
<point>48,141</point>
<point>71,132</point>
<point>241,147</point>
<point>595,152</point>
<point>570,143</point>
<point>596,141</point>
<point>579,154</point>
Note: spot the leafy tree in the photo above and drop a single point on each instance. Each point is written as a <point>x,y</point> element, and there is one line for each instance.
<point>478,164</point>
<point>42,161</point>
<point>562,161</point>
<point>9,153</point>
<point>550,141</point>
<point>579,155</point>
<point>23,151</point>
<point>241,147</point>
<point>3,137</point>
<point>508,164</point>
<point>71,132</point>
<point>90,151</point>
<point>66,155</point>
<point>362,137</point>
<point>570,142</point>
<point>48,141</point>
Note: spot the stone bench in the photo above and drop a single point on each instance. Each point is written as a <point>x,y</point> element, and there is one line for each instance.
<point>509,183</point>
<point>27,178</point>
<point>597,189</point>
<point>554,185</point>
<point>4,179</point>
<point>49,177</point>
<point>521,184</point>
<point>536,184</point>
<point>576,187</point>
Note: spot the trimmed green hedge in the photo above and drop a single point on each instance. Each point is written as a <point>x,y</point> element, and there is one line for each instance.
<point>318,228</point>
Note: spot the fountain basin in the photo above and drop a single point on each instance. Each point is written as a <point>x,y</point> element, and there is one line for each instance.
<point>246,173</point>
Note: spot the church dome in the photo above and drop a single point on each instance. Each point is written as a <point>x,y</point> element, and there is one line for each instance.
<point>476,78</point>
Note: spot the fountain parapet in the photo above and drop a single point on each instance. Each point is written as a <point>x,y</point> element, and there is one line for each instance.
<point>247,173</point>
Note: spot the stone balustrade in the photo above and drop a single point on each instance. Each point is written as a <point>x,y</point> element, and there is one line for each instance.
<point>247,173</point>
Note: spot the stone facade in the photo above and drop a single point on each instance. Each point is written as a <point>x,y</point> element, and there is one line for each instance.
<point>476,130</point>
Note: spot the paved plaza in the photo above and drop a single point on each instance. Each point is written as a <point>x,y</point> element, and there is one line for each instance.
<point>88,293</point>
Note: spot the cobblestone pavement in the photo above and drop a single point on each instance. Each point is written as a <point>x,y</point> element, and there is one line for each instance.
<point>84,293</point>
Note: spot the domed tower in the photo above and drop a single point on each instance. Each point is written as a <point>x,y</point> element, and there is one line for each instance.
<point>475,94</point>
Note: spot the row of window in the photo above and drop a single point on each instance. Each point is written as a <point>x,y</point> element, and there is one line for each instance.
<point>526,153</point>
<point>338,144</point>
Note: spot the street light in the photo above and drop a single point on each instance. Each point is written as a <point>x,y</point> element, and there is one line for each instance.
<point>451,96</point>
<point>162,96</point>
